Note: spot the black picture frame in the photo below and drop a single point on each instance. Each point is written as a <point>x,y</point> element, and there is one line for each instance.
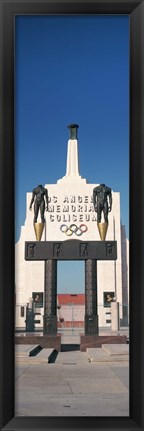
<point>38,299</point>
<point>135,10</point>
<point>106,302</point>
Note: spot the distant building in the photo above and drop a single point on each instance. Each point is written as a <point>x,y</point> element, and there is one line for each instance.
<point>70,203</point>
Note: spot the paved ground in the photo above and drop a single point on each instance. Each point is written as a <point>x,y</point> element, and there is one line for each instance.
<point>72,385</point>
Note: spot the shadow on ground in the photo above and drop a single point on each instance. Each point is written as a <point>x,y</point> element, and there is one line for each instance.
<point>69,347</point>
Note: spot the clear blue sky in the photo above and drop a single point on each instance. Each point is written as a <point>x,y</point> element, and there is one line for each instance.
<point>71,69</point>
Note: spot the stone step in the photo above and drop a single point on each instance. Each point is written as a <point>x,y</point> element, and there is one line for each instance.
<point>41,357</point>
<point>24,349</point>
<point>99,355</point>
<point>116,349</point>
<point>44,354</point>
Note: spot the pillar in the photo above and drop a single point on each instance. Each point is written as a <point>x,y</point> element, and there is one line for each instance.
<point>50,297</point>
<point>115,326</point>
<point>91,317</point>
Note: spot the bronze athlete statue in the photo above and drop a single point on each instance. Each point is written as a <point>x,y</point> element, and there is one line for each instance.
<point>39,196</point>
<point>101,194</point>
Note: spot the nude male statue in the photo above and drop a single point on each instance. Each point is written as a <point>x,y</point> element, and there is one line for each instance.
<point>101,194</point>
<point>39,196</point>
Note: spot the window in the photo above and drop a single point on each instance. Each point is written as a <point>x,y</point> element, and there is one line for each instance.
<point>22,311</point>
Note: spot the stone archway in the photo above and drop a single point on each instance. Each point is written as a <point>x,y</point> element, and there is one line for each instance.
<point>51,252</point>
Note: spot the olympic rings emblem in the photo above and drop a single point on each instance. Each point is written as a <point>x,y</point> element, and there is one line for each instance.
<point>69,230</point>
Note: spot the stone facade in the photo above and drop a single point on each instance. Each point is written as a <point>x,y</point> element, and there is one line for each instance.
<point>70,202</point>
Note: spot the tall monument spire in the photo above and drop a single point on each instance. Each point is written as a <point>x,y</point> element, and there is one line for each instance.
<point>72,168</point>
<point>72,165</point>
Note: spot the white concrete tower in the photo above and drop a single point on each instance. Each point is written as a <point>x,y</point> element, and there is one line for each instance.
<point>72,165</point>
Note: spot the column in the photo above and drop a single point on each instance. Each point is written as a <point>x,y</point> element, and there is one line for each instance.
<point>91,317</point>
<point>50,297</point>
<point>115,323</point>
